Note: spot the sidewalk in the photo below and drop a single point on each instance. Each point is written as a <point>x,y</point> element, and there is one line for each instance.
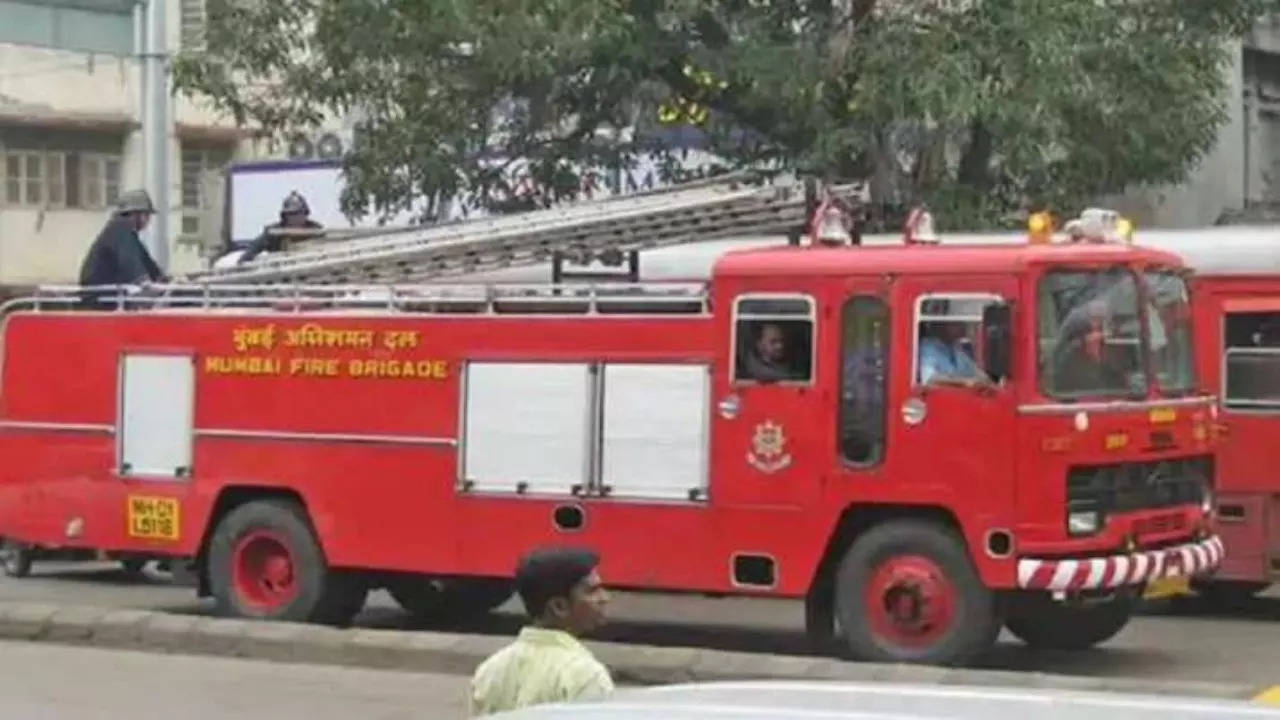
<point>460,653</point>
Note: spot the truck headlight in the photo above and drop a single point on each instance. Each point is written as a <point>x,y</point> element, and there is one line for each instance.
<point>1083,522</point>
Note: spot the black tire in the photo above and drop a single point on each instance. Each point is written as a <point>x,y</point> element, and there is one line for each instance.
<point>820,618</point>
<point>1037,620</point>
<point>956,637</point>
<point>317,593</point>
<point>133,566</point>
<point>16,558</point>
<point>432,599</point>
<point>1228,593</point>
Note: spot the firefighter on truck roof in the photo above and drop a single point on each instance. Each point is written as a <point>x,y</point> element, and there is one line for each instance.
<point>295,220</point>
<point>117,256</point>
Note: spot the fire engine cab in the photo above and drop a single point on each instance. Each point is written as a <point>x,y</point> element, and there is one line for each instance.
<point>923,442</point>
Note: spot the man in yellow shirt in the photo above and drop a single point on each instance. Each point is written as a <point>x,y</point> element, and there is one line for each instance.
<point>564,598</point>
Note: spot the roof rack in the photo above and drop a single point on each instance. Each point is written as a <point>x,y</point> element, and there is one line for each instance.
<point>526,299</point>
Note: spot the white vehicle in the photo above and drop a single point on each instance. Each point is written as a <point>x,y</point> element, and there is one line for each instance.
<point>780,700</point>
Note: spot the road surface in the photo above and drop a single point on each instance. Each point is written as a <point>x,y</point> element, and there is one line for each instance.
<point>1187,642</point>
<point>46,681</point>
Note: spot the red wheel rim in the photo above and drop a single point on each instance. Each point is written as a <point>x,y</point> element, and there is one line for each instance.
<point>911,602</point>
<point>263,570</point>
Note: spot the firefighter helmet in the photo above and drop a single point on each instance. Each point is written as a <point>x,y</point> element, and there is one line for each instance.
<point>295,204</point>
<point>134,201</point>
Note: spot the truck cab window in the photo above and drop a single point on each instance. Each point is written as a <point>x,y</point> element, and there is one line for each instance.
<point>1169,317</point>
<point>863,379</point>
<point>1251,363</point>
<point>1090,334</point>
<point>773,338</point>
<point>948,335</point>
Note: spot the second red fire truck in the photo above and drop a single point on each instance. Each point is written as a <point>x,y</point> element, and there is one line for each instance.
<point>925,443</point>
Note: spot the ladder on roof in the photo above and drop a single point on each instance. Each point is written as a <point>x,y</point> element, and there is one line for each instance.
<point>707,210</point>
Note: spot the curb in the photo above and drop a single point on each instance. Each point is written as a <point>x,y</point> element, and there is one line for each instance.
<point>459,654</point>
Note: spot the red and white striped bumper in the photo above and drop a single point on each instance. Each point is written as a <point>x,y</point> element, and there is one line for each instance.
<point>1117,570</point>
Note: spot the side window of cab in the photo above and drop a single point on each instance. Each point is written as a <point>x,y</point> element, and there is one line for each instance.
<point>1251,361</point>
<point>773,339</point>
<point>948,332</point>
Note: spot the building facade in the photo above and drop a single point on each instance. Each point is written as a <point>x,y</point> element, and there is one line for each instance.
<point>71,109</point>
<point>1239,180</point>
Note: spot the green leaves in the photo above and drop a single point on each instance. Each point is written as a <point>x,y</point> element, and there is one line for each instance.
<point>981,107</point>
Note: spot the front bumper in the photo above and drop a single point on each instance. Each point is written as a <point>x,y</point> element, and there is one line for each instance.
<point>1067,574</point>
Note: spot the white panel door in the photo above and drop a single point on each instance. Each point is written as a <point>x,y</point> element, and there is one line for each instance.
<point>157,415</point>
<point>655,435</point>
<point>527,427</point>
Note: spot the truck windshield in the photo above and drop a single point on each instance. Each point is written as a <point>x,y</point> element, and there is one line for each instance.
<point>1090,342</point>
<point>1169,315</point>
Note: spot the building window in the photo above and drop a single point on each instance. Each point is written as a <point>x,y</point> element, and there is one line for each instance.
<point>103,26</point>
<point>55,167</point>
<point>99,180</point>
<point>193,24</point>
<point>59,179</point>
<point>35,178</point>
<point>198,165</point>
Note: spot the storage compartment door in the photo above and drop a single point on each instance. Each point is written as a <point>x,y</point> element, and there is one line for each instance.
<point>526,428</point>
<point>655,435</point>
<point>157,415</point>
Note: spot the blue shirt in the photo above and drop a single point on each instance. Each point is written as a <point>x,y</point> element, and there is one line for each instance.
<point>938,358</point>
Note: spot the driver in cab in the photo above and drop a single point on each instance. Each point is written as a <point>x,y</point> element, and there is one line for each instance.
<point>1080,354</point>
<point>944,358</point>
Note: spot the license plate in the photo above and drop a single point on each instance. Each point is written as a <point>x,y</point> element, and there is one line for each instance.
<point>155,518</point>
<point>1167,587</point>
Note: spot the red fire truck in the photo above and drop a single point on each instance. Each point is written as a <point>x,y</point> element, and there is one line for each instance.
<point>1237,299</point>
<point>1236,295</point>
<point>923,442</point>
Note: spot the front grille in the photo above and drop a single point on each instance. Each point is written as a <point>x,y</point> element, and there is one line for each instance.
<point>1123,487</point>
<point>1159,524</point>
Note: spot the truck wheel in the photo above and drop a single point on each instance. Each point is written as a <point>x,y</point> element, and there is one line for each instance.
<point>1039,621</point>
<point>265,562</point>
<point>432,598</point>
<point>133,566</point>
<point>906,591</point>
<point>1228,593</point>
<point>16,558</point>
<point>820,618</point>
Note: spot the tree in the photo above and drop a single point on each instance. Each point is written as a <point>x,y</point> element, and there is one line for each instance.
<point>981,108</point>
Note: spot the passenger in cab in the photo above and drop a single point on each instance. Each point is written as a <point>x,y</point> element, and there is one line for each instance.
<point>767,359</point>
<point>943,357</point>
<point>1081,363</point>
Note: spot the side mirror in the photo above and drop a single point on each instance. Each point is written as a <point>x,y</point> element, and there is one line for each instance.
<point>997,340</point>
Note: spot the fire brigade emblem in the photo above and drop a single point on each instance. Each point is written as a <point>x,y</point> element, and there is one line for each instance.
<point>768,448</point>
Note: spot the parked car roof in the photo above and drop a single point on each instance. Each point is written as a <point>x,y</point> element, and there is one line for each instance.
<point>887,701</point>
